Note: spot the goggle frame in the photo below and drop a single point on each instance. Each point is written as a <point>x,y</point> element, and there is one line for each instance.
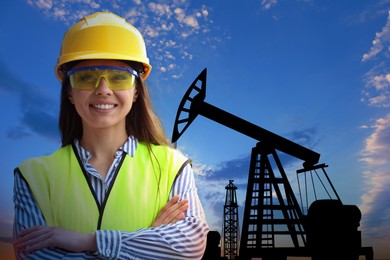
<point>102,68</point>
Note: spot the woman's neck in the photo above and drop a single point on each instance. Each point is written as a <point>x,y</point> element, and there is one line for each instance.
<point>103,142</point>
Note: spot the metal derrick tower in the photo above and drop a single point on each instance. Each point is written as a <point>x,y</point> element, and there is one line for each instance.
<point>231,222</point>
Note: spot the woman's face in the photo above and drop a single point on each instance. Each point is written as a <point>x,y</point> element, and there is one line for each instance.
<point>102,107</point>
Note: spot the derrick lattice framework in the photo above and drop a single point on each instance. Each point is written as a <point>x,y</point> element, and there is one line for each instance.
<point>231,224</point>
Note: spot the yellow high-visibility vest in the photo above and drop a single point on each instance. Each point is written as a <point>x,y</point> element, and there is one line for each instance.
<point>139,191</point>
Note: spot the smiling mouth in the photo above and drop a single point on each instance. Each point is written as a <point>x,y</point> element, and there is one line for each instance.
<point>103,106</point>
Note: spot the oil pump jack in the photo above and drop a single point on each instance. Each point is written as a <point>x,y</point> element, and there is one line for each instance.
<point>272,213</point>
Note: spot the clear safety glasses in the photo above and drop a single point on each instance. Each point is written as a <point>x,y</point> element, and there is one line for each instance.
<point>88,78</point>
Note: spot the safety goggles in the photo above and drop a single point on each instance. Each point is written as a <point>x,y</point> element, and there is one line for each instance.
<point>88,78</point>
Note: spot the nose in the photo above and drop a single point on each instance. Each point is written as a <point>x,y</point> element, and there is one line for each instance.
<point>102,87</point>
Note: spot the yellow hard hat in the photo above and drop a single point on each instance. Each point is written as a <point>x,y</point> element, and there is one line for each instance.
<point>103,35</point>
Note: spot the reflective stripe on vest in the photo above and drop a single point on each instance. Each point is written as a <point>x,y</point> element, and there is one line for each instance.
<point>139,190</point>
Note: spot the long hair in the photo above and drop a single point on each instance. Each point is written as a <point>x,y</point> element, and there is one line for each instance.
<point>141,121</point>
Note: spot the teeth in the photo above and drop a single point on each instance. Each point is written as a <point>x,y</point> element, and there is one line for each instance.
<point>103,106</point>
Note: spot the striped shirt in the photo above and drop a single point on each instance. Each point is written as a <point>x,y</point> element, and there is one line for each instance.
<point>185,239</point>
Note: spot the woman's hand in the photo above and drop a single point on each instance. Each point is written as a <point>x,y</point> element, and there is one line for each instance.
<point>39,237</point>
<point>172,212</point>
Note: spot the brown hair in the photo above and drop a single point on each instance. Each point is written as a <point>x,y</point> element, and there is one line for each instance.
<point>141,121</point>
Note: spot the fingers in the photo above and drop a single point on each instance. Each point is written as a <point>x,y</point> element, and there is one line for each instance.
<point>171,203</point>
<point>179,214</point>
<point>32,239</point>
<point>172,212</point>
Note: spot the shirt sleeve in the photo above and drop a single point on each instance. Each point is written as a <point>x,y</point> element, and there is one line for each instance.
<point>186,239</point>
<point>28,214</point>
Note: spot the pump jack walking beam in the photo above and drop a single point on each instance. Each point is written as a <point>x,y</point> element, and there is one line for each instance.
<point>195,95</point>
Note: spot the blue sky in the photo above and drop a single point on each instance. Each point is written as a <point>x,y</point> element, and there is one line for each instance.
<point>316,72</point>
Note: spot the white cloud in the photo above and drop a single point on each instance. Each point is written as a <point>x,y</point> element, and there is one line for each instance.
<point>179,14</point>
<point>160,9</point>
<point>191,22</point>
<point>41,4</point>
<point>377,79</point>
<point>151,32</point>
<point>380,43</point>
<point>376,152</point>
<point>377,91</point>
<point>176,76</point>
<point>205,12</point>
<point>166,26</point>
<point>170,43</point>
<point>168,55</point>
<point>267,4</point>
<point>377,145</point>
<point>376,156</point>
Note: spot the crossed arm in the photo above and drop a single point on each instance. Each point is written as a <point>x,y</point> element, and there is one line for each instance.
<point>178,232</point>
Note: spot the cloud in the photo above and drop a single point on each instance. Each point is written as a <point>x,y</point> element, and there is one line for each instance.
<point>376,155</point>
<point>228,170</point>
<point>377,148</point>
<point>376,152</point>
<point>377,86</point>
<point>377,79</point>
<point>380,43</point>
<point>306,137</point>
<point>267,4</point>
<point>38,110</point>
<point>172,29</point>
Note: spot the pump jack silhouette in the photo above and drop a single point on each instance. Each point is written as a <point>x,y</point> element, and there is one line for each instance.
<point>329,230</point>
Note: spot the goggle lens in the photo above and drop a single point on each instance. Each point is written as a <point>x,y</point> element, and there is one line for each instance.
<point>88,78</point>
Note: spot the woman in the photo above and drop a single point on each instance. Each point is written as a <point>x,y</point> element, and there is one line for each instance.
<point>116,188</point>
